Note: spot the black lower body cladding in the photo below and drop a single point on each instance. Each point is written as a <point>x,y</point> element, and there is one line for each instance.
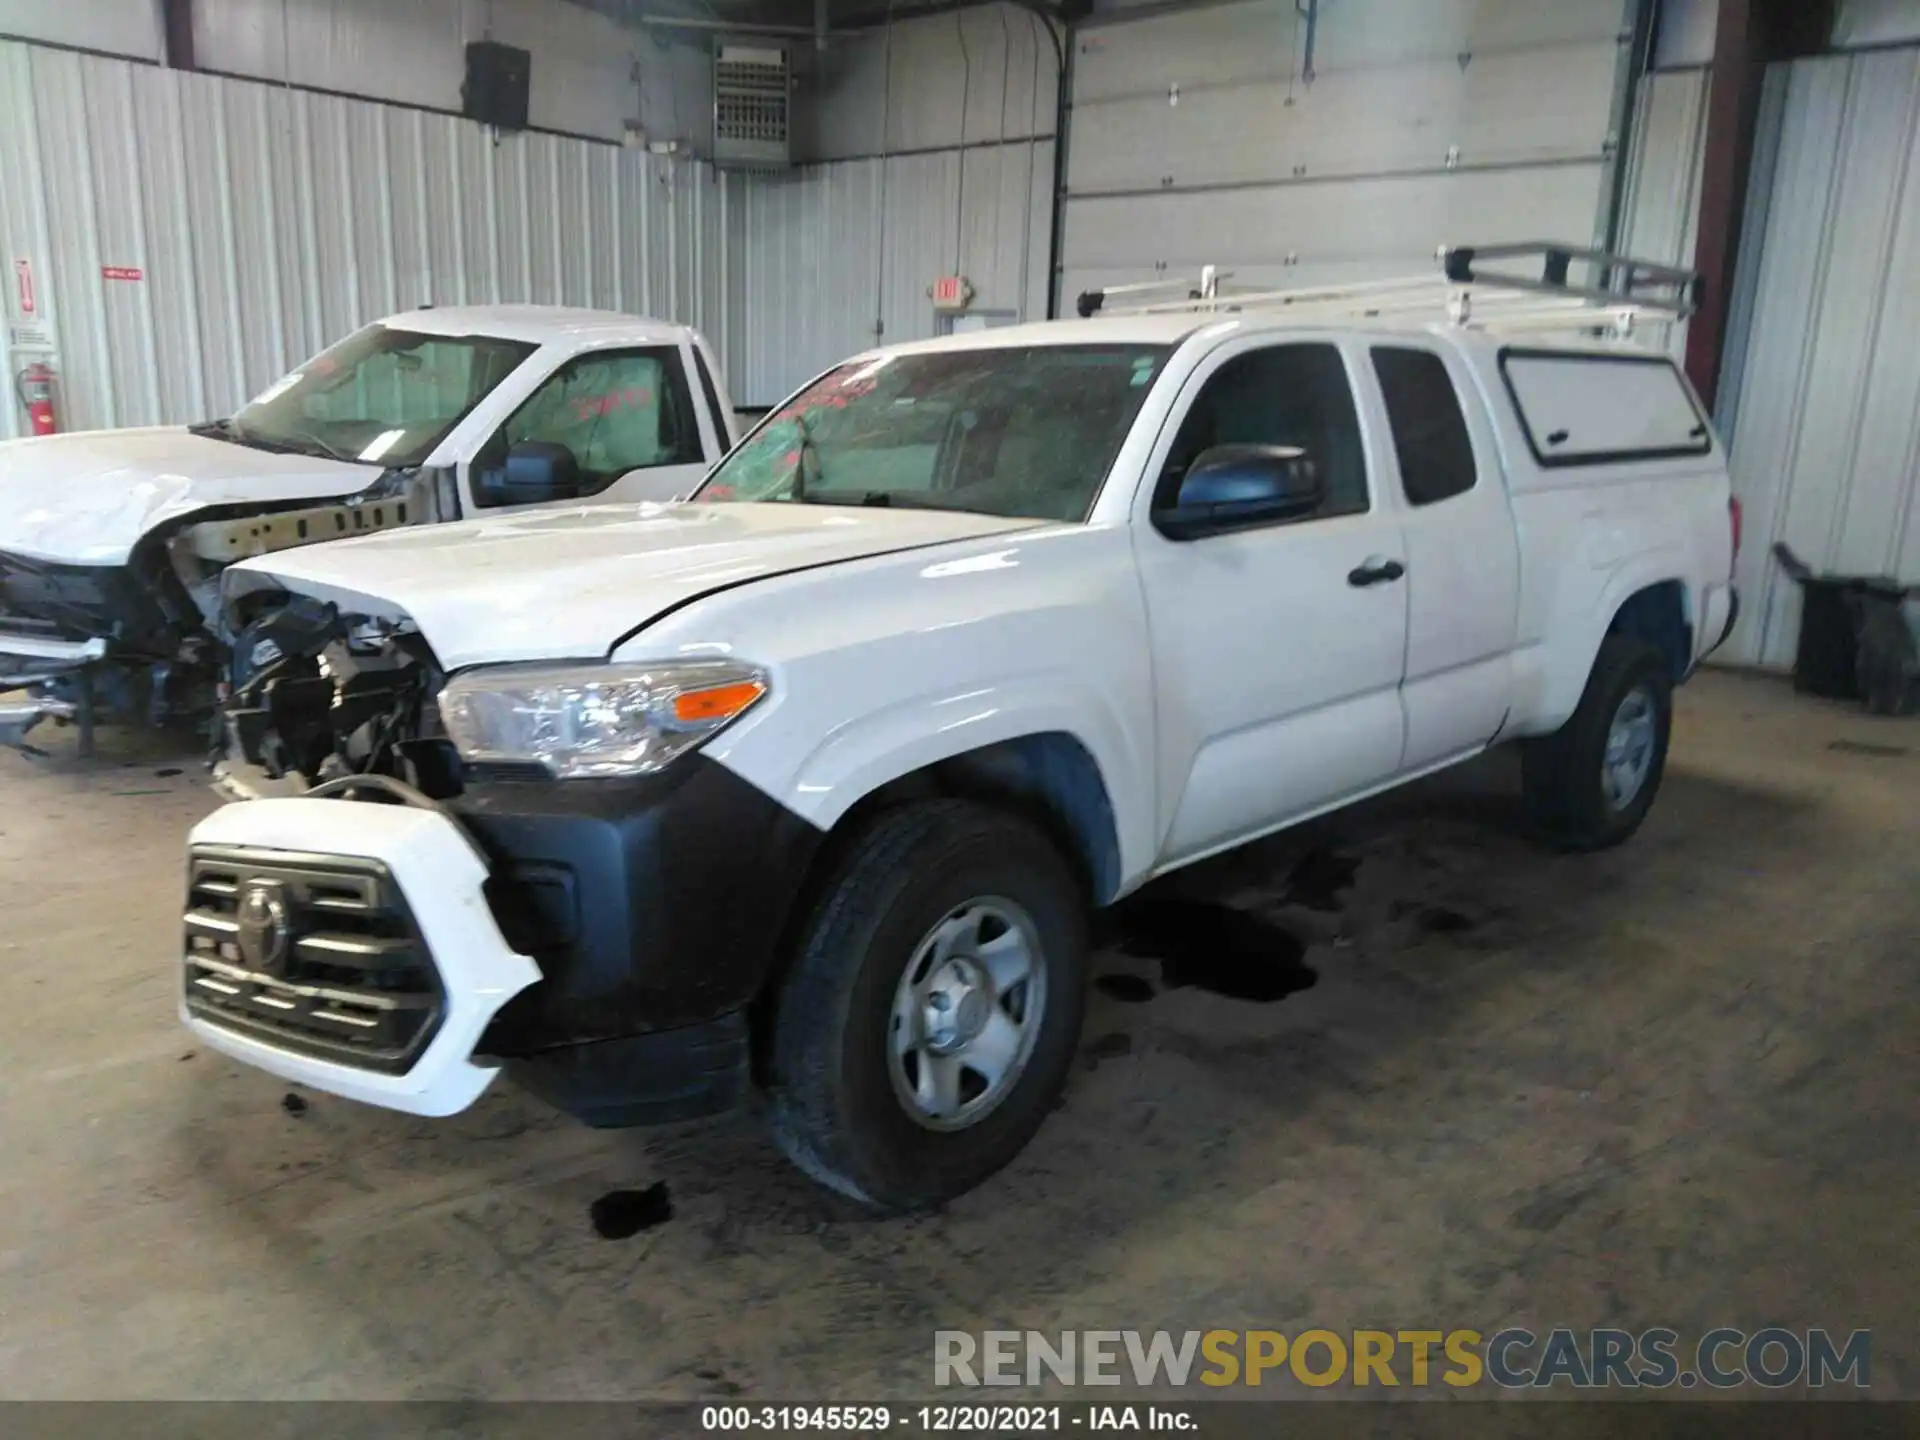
<point>651,905</point>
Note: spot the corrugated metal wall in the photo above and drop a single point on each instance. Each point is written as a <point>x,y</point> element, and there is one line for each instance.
<point>1826,441</point>
<point>1196,137</point>
<point>825,256</point>
<point>969,98</point>
<point>590,74</point>
<point>265,222</point>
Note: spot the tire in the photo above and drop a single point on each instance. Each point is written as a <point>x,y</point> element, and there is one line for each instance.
<point>1565,775</point>
<point>931,879</point>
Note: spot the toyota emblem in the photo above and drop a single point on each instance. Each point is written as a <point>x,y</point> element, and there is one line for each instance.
<point>265,930</point>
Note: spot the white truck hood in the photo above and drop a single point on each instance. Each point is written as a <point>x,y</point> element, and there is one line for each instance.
<point>87,498</point>
<point>571,583</point>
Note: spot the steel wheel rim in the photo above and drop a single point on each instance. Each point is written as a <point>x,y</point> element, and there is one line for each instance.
<point>967,1014</point>
<point>1630,742</point>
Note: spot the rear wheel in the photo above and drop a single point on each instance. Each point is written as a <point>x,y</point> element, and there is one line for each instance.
<point>929,1020</point>
<point>1590,784</point>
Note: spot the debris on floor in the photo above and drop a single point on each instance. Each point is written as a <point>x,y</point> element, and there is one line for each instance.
<point>1863,747</point>
<point>622,1214</point>
<point>293,1104</point>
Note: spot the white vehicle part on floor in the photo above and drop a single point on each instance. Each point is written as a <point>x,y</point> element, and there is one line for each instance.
<point>441,874</point>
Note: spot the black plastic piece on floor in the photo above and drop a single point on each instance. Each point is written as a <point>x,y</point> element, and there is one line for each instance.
<point>622,1214</point>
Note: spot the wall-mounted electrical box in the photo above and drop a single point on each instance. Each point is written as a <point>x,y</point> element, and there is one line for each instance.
<point>499,78</point>
<point>752,106</point>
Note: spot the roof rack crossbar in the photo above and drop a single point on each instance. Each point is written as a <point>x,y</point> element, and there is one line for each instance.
<point>1620,290</point>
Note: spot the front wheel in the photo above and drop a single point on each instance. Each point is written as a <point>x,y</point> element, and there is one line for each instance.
<point>928,1022</point>
<point>1590,784</point>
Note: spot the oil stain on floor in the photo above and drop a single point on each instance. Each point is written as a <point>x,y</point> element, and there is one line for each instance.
<point>1209,946</point>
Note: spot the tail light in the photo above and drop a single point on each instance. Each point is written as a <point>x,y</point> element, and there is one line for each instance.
<point>1733,517</point>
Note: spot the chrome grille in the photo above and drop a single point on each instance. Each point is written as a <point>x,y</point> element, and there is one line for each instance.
<point>316,954</point>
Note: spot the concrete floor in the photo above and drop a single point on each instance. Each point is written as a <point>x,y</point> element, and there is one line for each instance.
<point>1675,1084</point>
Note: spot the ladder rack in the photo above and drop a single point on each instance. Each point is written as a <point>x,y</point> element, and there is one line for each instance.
<point>1619,291</point>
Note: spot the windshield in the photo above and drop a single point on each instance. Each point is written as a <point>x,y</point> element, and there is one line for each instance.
<point>1026,432</point>
<point>381,396</point>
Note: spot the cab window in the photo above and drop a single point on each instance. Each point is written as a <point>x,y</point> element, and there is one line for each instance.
<point>1290,395</point>
<point>613,411</point>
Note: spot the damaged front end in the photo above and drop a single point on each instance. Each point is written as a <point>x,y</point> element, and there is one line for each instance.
<point>85,640</point>
<point>144,640</point>
<point>318,695</point>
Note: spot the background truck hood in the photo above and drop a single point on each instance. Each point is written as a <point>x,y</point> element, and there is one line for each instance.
<point>569,584</point>
<point>87,498</point>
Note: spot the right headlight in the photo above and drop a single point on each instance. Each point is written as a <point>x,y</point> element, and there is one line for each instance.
<point>596,719</point>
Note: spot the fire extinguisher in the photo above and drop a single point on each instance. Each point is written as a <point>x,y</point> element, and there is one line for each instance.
<point>35,384</point>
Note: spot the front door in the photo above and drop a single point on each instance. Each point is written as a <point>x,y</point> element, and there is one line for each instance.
<point>627,417</point>
<point>1277,649</point>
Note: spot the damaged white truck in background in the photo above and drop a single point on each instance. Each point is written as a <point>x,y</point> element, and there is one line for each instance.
<point>112,542</point>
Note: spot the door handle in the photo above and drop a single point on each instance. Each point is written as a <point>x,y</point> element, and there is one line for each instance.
<point>1376,571</point>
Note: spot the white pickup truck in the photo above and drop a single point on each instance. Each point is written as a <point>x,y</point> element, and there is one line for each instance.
<point>112,542</point>
<point>809,784</point>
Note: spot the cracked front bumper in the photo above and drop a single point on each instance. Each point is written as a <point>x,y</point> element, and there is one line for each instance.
<point>439,877</point>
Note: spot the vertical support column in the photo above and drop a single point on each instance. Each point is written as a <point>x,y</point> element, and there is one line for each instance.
<point>1749,35</point>
<point>176,33</point>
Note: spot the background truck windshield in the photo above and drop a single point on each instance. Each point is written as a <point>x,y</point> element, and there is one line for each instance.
<point>381,396</point>
<point>1017,431</point>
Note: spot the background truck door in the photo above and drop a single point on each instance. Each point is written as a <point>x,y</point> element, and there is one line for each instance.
<point>629,419</point>
<point>1277,649</point>
<point>1463,556</point>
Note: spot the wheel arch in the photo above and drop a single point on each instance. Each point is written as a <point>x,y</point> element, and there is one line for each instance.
<point>1654,605</point>
<point>1049,777</point>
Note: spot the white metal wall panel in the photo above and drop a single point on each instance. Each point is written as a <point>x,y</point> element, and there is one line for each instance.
<point>265,222</point>
<point>1198,139</point>
<point>974,75</point>
<point>1661,210</point>
<point>1826,447</point>
<point>1876,22</point>
<point>412,52</point>
<point>823,253</point>
<point>112,27</point>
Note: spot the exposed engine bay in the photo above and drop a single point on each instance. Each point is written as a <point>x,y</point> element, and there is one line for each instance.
<point>319,696</point>
<point>151,627</point>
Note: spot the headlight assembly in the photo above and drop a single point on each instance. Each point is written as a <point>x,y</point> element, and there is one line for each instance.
<point>596,719</point>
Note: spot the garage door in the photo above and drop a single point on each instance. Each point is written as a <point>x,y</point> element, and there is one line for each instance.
<point>1197,138</point>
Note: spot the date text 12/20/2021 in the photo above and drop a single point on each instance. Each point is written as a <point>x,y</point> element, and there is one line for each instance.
<point>948,1419</point>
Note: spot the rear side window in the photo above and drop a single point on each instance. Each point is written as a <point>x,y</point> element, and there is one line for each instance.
<point>1590,409</point>
<point>1429,431</point>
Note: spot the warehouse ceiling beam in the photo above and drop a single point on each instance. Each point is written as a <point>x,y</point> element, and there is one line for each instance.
<point>1749,36</point>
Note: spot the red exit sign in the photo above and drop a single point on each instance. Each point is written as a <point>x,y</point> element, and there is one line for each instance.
<point>951,292</point>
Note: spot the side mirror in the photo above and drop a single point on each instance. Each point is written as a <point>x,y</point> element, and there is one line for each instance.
<point>536,470</point>
<point>1232,487</point>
